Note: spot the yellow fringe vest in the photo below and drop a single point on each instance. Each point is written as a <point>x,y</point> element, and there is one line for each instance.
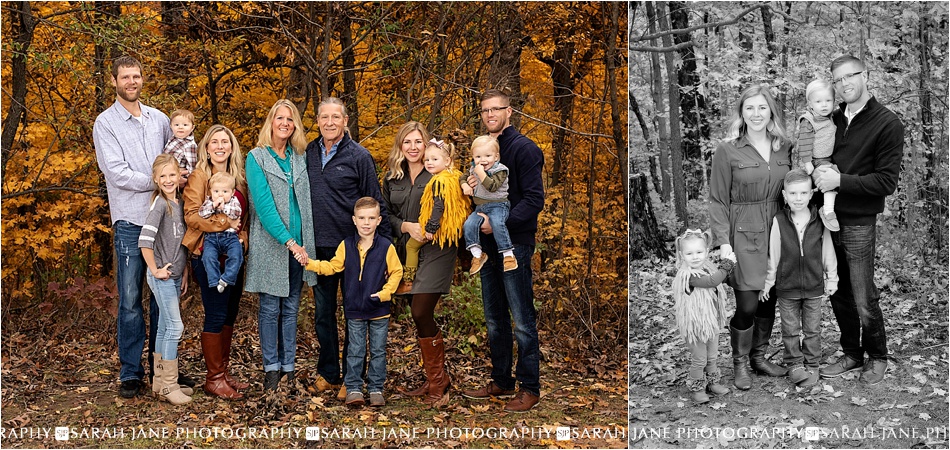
<point>445,184</point>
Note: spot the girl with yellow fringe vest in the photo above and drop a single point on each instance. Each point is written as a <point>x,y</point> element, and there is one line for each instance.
<point>444,207</point>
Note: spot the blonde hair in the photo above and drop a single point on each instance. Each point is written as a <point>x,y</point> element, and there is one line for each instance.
<point>182,113</point>
<point>820,84</point>
<point>162,160</point>
<point>297,141</point>
<point>447,149</point>
<point>396,159</point>
<point>775,128</point>
<point>235,160</point>
<point>222,179</point>
<point>486,141</point>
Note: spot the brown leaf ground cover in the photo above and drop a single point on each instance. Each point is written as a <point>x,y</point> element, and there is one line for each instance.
<point>908,409</point>
<point>64,373</point>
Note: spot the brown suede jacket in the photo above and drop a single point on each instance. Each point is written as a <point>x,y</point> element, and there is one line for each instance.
<point>194,194</point>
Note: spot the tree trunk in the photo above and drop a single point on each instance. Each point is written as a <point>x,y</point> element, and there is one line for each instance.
<point>658,106</point>
<point>102,57</point>
<point>679,181</point>
<point>692,102</point>
<point>766,11</point>
<point>612,57</point>
<point>644,233</point>
<point>931,190</point>
<point>349,95</point>
<point>505,63</point>
<point>23,25</point>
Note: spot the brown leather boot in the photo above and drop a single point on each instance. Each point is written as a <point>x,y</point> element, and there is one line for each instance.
<point>433,351</point>
<point>213,347</point>
<point>760,346</point>
<point>424,389</point>
<point>227,332</point>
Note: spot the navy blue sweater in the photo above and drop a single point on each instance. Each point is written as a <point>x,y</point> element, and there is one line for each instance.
<point>868,152</point>
<point>334,189</point>
<point>525,185</point>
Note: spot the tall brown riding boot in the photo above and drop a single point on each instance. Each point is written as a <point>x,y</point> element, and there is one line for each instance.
<point>433,350</point>
<point>760,348</point>
<point>741,343</point>
<point>227,332</point>
<point>424,389</point>
<point>213,347</point>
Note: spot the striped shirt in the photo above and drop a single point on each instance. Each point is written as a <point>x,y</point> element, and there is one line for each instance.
<point>125,150</point>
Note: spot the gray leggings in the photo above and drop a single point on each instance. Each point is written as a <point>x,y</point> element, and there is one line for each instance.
<point>703,355</point>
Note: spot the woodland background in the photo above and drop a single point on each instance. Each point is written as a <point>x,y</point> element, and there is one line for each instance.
<point>688,64</point>
<point>228,62</point>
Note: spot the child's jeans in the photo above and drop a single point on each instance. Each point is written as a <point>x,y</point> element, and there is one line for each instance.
<point>801,316</point>
<point>497,213</point>
<point>703,355</point>
<point>376,371</point>
<point>215,244</point>
<point>170,327</point>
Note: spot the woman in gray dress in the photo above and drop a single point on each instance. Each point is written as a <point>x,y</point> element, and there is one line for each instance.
<point>402,192</point>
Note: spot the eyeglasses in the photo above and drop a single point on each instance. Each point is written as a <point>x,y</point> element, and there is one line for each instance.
<point>847,77</point>
<point>496,109</point>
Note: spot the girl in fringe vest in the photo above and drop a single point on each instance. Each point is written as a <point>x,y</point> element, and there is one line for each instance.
<point>700,310</point>
<point>444,207</point>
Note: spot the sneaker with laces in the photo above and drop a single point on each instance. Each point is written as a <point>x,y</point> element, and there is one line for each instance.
<point>354,399</point>
<point>843,365</point>
<point>523,402</point>
<point>489,390</point>
<point>510,263</point>
<point>376,399</point>
<point>477,264</point>
<point>873,371</point>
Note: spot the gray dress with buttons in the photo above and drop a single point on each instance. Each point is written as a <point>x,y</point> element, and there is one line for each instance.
<point>745,193</point>
<point>436,265</point>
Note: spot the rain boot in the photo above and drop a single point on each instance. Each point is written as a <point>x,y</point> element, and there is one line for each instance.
<point>760,347</point>
<point>741,344</point>
<point>227,332</point>
<point>434,362</point>
<point>213,347</point>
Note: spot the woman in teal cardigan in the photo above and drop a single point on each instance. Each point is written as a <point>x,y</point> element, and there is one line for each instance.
<point>281,226</point>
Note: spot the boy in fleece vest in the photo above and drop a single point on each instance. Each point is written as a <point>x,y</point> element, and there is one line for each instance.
<point>371,273</point>
<point>803,268</point>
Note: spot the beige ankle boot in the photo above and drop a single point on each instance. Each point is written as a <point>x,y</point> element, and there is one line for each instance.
<point>167,370</point>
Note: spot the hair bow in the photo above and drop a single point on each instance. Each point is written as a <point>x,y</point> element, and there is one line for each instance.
<point>437,143</point>
<point>690,232</point>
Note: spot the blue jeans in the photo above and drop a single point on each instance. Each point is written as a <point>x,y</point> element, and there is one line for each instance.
<point>801,316</point>
<point>511,291</point>
<point>376,372</point>
<point>277,323</point>
<point>221,308</point>
<point>497,216</point>
<point>324,321</point>
<point>170,327</point>
<point>216,244</point>
<point>130,271</point>
<point>857,302</point>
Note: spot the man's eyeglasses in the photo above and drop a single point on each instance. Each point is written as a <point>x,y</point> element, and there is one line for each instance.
<point>496,109</point>
<point>847,77</point>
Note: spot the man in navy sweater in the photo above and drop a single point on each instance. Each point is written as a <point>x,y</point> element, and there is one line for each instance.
<point>508,296</point>
<point>869,145</point>
<point>341,172</point>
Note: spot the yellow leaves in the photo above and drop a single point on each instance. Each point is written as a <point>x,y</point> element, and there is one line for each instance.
<point>270,49</point>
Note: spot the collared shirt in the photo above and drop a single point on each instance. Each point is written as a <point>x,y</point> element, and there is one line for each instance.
<point>323,151</point>
<point>185,151</point>
<point>125,149</point>
<point>850,115</point>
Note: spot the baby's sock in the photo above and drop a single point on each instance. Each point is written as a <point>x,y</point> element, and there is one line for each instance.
<point>508,253</point>
<point>476,251</point>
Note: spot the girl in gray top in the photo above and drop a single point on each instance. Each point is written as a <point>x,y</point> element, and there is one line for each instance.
<point>164,255</point>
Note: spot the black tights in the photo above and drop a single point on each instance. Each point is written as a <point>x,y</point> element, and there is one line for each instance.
<point>748,307</point>
<point>423,314</point>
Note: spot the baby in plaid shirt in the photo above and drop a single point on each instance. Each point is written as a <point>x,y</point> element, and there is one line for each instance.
<point>225,242</point>
<point>182,145</point>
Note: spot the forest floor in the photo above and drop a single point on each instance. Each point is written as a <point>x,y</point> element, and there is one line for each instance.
<point>67,377</point>
<point>908,409</point>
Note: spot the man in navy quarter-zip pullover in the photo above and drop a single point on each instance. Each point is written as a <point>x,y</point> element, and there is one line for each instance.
<point>869,145</point>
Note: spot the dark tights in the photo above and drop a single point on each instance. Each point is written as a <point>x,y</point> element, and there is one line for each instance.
<point>423,314</point>
<point>748,307</point>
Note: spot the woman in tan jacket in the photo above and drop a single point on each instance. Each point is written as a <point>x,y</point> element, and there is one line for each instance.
<point>218,151</point>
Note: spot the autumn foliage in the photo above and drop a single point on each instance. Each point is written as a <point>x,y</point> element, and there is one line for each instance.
<point>390,62</point>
